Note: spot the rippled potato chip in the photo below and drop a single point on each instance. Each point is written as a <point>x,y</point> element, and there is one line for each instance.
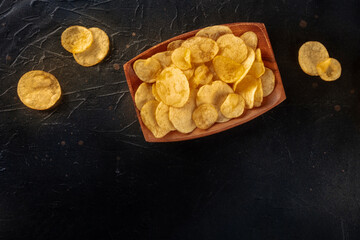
<point>147,114</point>
<point>228,70</point>
<point>247,64</point>
<point>329,70</point>
<point>205,116</point>
<point>258,68</point>
<point>233,106</point>
<point>214,32</point>
<point>247,89</point>
<point>164,58</point>
<point>96,52</point>
<point>143,94</point>
<point>154,93</point>
<point>268,82</point>
<point>310,54</point>
<point>39,90</point>
<point>162,117</point>
<point>76,39</point>
<point>232,47</point>
<point>258,98</point>
<point>172,87</point>
<point>174,45</point>
<point>202,75</point>
<point>250,38</point>
<point>181,117</point>
<point>181,58</point>
<point>202,49</point>
<point>147,69</point>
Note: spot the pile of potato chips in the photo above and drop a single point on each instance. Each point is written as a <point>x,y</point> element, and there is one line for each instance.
<point>206,79</point>
<point>88,46</point>
<point>314,60</point>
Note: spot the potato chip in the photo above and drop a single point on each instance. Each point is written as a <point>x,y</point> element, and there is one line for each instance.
<point>181,117</point>
<point>174,45</point>
<point>202,75</point>
<point>147,69</point>
<point>189,73</point>
<point>250,38</point>
<point>39,90</point>
<point>154,92</point>
<point>232,47</point>
<point>310,54</point>
<point>181,58</point>
<point>147,114</point>
<point>214,32</point>
<point>329,70</point>
<point>162,117</point>
<point>268,82</point>
<point>205,115</point>
<point>215,94</point>
<point>96,52</point>
<point>258,68</point>
<point>233,106</point>
<point>76,39</point>
<point>164,58</point>
<point>172,87</point>
<point>228,70</point>
<point>247,89</point>
<point>202,49</point>
<point>143,94</point>
<point>247,64</point>
<point>258,97</point>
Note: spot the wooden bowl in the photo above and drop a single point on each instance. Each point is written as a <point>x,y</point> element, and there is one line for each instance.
<point>275,98</point>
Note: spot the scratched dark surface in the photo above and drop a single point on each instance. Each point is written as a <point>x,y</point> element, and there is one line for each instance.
<point>84,171</point>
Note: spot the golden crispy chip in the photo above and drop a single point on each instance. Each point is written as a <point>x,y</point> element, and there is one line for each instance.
<point>268,82</point>
<point>96,52</point>
<point>202,75</point>
<point>147,69</point>
<point>162,117</point>
<point>205,116</point>
<point>164,58</point>
<point>202,49</point>
<point>210,65</point>
<point>228,70</point>
<point>143,94</point>
<point>258,68</point>
<point>76,39</point>
<point>189,73</point>
<point>329,70</point>
<point>174,45</point>
<point>172,87</point>
<point>147,114</point>
<point>154,92</point>
<point>258,98</point>
<point>181,58</point>
<point>215,94</point>
<point>214,32</point>
<point>233,106</point>
<point>181,117</point>
<point>250,38</point>
<point>247,64</point>
<point>310,54</point>
<point>247,89</point>
<point>232,47</point>
<point>39,90</point>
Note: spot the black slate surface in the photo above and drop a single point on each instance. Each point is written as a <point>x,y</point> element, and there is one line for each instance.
<point>84,171</point>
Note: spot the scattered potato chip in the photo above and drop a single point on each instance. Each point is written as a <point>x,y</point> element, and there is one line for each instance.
<point>162,117</point>
<point>247,89</point>
<point>310,54</point>
<point>258,98</point>
<point>214,32</point>
<point>233,106</point>
<point>202,75</point>
<point>96,52</point>
<point>250,38</point>
<point>76,39</point>
<point>205,116</point>
<point>172,87</point>
<point>39,90</point>
<point>181,58</point>
<point>268,82</point>
<point>202,49</point>
<point>247,64</point>
<point>329,70</point>
<point>181,117</point>
<point>143,94</point>
<point>147,69</point>
<point>164,58</point>
<point>227,69</point>
<point>147,114</point>
<point>174,45</point>
<point>232,47</point>
<point>258,68</point>
<point>154,92</point>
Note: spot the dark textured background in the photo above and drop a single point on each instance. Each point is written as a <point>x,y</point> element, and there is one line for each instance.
<point>84,171</point>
